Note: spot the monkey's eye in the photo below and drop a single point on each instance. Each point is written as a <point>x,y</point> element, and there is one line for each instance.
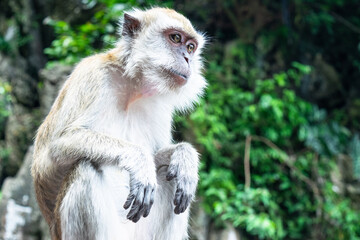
<point>190,48</point>
<point>176,38</point>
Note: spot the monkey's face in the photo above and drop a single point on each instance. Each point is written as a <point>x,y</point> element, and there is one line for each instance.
<point>172,57</point>
<point>165,49</point>
<point>181,47</point>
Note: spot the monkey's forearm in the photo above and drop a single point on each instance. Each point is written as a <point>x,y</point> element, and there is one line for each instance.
<point>163,156</point>
<point>80,143</point>
<point>183,150</point>
<point>182,162</point>
<point>85,144</point>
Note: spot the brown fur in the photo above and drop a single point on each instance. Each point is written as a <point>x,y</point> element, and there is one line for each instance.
<point>152,14</point>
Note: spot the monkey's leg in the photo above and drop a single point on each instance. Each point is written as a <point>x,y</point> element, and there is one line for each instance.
<point>178,162</point>
<point>162,223</point>
<point>91,208</point>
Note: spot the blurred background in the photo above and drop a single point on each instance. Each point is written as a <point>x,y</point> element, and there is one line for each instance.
<point>278,128</point>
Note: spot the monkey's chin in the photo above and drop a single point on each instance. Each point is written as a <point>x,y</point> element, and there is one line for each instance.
<point>179,78</point>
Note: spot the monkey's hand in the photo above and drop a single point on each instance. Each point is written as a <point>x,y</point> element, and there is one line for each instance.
<point>183,168</point>
<point>142,187</point>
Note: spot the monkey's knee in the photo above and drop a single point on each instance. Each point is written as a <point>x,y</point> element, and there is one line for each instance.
<point>89,208</point>
<point>76,207</point>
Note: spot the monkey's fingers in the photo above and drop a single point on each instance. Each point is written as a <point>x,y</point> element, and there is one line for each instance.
<point>178,196</point>
<point>137,215</point>
<point>181,201</point>
<point>130,198</point>
<point>148,200</point>
<point>136,207</point>
<point>184,204</point>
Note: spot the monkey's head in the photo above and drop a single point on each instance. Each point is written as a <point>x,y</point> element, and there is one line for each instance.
<point>162,47</point>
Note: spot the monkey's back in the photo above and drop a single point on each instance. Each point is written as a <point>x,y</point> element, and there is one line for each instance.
<point>67,107</point>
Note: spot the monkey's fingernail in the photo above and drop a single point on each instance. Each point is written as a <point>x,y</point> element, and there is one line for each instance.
<point>177,210</point>
<point>136,218</point>
<point>146,213</point>
<point>127,204</point>
<point>169,177</point>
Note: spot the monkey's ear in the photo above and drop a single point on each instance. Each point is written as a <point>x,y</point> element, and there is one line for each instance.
<point>130,26</point>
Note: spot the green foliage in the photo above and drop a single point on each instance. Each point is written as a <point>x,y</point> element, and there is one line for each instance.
<point>355,154</point>
<point>251,209</point>
<point>281,204</point>
<point>76,42</point>
<point>345,218</point>
<point>4,45</point>
<point>5,99</point>
<point>11,43</point>
<point>294,143</point>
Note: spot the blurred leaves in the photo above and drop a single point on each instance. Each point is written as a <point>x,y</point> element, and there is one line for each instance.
<point>5,100</point>
<point>75,43</point>
<point>254,91</point>
<point>355,154</point>
<point>284,201</point>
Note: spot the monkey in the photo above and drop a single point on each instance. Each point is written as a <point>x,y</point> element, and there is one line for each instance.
<point>105,165</point>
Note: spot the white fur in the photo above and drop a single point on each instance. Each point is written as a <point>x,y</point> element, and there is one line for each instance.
<point>100,118</point>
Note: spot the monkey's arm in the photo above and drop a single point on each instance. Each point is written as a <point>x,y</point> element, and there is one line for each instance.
<point>85,144</point>
<point>182,161</point>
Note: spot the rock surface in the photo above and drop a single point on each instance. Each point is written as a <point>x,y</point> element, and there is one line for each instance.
<point>21,217</point>
<point>53,79</point>
<point>20,126</point>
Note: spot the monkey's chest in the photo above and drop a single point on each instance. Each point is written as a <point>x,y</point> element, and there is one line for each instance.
<point>149,129</point>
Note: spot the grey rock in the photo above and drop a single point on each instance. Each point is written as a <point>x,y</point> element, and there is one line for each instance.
<point>24,87</point>
<point>20,126</point>
<point>19,133</point>
<point>199,222</point>
<point>228,233</point>
<point>52,80</point>
<point>21,218</point>
<point>323,84</point>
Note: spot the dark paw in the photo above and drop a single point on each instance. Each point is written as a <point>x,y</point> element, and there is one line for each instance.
<point>181,201</point>
<point>185,190</point>
<point>183,169</point>
<point>142,198</point>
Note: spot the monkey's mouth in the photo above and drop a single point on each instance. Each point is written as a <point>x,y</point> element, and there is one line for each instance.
<point>179,74</point>
<point>179,78</point>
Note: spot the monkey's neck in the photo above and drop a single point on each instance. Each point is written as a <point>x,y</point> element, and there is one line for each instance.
<point>144,91</point>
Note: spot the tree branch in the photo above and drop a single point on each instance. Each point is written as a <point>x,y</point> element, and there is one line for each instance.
<point>247,162</point>
<point>345,22</point>
<point>287,162</point>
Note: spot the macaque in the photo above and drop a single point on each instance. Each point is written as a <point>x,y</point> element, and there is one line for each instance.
<point>105,166</point>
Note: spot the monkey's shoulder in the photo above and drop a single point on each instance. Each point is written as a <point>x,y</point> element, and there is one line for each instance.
<point>100,61</point>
